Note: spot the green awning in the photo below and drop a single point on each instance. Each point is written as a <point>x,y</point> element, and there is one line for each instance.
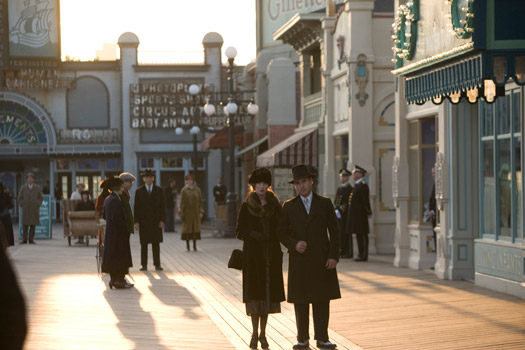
<point>462,75</point>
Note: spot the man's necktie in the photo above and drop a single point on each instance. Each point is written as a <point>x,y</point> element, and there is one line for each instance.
<point>149,190</point>
<point>307,205</point>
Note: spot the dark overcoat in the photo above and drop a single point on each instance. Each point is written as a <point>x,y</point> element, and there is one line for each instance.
<point>117,252</point>
<point>149,210</point>
<point>308,278</point>
<point>257,228</point>
<point>359,209</point>
<point>341,200</point>
<point>125,197</point>
<point>30,201</point>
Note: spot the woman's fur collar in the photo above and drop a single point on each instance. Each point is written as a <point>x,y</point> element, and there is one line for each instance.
<point>255,207</point>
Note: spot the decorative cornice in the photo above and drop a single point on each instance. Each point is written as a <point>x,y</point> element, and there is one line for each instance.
<point>301,31</point>
<point>434,59</point>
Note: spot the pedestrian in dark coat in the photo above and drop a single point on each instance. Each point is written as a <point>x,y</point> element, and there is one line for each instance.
<point>128,179</point>
<point>262,279</point>
<point>13,324</point>
<point>358,212</point>
<point>170,193</point>
<point>30,198</point>
<point>310,231</point>
<point>116,259</point>
<point>341,211</point>
<point>86,204</point>
<point>6,204</point>
<point>150,211</point>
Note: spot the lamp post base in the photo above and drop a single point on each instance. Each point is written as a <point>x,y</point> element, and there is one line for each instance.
<point>231,201</point>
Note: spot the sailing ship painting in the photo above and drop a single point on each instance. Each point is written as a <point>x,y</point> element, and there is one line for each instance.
<point>33,28</point>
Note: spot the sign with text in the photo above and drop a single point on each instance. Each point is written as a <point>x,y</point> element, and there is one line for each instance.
<point>43,230</point>
<point>273,14</point>
<point>35,74</point>
<point>281,187</point>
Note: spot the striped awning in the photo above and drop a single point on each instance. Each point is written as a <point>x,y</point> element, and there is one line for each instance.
<point>461,75</point>
<point>299,148</point>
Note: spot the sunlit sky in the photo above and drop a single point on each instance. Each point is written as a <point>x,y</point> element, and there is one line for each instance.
<point>161,25</point>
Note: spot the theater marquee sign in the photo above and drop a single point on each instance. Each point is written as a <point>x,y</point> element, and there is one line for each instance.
<point>167,103</point>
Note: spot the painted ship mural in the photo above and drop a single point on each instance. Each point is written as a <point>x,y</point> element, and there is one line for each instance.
<point>31,34</point>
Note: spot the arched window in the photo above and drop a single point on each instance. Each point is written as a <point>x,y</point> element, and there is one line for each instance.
<point>88,104</point>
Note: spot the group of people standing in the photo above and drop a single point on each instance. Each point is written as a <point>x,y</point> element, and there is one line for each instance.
<point>308,226</point>
<point>352,208</point>
<point>149,216</point>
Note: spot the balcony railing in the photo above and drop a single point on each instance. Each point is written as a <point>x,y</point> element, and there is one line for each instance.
<point>313,108</point>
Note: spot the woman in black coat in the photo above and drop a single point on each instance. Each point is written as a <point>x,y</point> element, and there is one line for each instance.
<point>116,259</point>
<point>6,203</point>
<point>262,279</point>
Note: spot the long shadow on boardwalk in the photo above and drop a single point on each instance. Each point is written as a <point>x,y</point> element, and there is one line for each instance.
<point>169,292</point>
<point>134,323</point>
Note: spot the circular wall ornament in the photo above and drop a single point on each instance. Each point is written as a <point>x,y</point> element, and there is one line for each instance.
<point>462,17</point>
<point>405,32</point>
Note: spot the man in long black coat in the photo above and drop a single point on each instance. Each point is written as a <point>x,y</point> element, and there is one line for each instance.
<point>341,211</point>
<point>358,212</point>
<point>149,210</point>
<point>313,256</point>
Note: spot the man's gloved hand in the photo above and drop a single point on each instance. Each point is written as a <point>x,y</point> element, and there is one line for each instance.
<point>338,214</point>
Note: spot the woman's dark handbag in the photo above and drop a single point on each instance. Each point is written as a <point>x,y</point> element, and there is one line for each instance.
<point>236,258</point>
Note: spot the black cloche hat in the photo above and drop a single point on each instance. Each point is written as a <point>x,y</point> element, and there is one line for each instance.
<point>300,172</point>
<point>113,182</point>
<point>260,175</point>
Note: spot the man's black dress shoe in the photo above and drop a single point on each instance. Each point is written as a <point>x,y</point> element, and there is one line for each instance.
<point>32,242</point>
<point>143,268</point>
<point>301,345</point>
<point>326,345</point>
<point>159,268</point>
<point>346,256</point>
<point>360,259</point>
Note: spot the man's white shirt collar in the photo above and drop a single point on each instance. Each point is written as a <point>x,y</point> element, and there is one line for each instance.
<point>309,197</point>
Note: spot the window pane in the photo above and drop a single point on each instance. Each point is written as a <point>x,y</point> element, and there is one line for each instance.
<point>519,189</point>
<point>414,184</point>
<point>88,164</point>
<point>62,164</point>
<point>113,164</point>
<point>428,132</point>
<point>146,162</point>
<point>429,159</point>
<point>489,189</point>
<point>95,188</point>
<point>503,115</point>
<point>487,119</point>
<point>516,111</point>
<point>504,181</point>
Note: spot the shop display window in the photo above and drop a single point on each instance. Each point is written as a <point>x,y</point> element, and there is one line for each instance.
<point>423,145</point>
<point>501,162</point>
<point>146,163</point>
<point>172,162</point>
<point>113,164</point>
<point>62,164</point>
<point>88,164</point>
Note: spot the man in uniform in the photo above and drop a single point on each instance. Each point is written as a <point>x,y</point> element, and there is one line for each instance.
<point>341,206</point>
<point>313,257</point>
<point>358,212</point>
<point>150,211</point>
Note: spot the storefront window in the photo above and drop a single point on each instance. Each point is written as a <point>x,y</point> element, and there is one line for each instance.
<point>501,157</point>
<point>422,135</point>
<point>341,152</point>
<point>171,162</point>
<point>88,164</point>
<point>146,163</point>
<point>113,164</point>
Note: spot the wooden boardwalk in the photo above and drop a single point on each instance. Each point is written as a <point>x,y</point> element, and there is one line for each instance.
<point>195,303</point>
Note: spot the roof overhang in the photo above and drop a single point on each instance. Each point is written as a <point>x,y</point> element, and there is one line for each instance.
<point>301,31</point>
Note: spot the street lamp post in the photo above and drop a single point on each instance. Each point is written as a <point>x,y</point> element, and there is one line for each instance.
<point>231,110</point>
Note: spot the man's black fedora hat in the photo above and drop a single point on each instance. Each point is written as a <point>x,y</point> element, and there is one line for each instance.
<point>148,172</point>
<point>301,171</point>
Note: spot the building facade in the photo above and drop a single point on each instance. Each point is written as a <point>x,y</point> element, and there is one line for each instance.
<point>460,72</point>
<point>76,122</point>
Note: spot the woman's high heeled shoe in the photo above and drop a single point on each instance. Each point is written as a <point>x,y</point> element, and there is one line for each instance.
<point>264,342</point>
<point>118,285</point>
<point>253,342</point>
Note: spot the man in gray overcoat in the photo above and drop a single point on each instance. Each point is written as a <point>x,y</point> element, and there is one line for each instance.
<point>310,230</point>
<point>29,199</point>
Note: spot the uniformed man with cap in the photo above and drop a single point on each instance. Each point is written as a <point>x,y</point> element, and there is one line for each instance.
<point>358,212</point>
<point>341,211</point>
